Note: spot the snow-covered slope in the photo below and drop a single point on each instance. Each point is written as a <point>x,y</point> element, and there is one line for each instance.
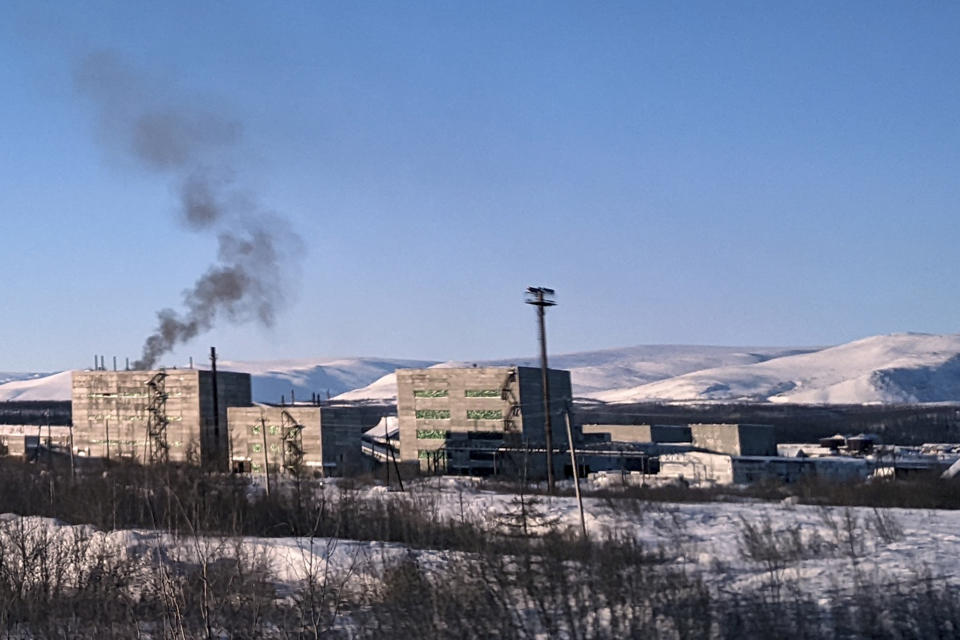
<point>12,376</point>
<point>334,375</point>
<point>45,387</point>
<point>887,369</point>
<point>271,379</point>
<point>597,371</point>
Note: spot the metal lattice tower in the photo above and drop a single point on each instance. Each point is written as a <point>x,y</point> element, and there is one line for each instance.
<point>159,450</point>
<point>291,432</point>
<point>513,410</point>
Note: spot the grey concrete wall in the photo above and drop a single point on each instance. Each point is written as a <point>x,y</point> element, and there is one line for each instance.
<point>110,413</point>
<point>330,438</point>
<point>251,427</point>
<point>641,432</point>
<point>758,440</point>
<point>735,439</point>
<point>531,399</point>
<point>233,390</point>
<point>446,390</point>
<point>502,400</point>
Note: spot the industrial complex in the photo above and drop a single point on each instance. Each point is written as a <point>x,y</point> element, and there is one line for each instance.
<point>476,421</point>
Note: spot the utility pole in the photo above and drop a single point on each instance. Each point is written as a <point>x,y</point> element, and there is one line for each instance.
<point>216,413</point>
<point>541,298</point>
<point>266,460</point>
<point>576,472</point>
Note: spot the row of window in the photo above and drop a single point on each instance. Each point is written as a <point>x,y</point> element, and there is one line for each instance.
<point>272,429</point>
<point>175,394</point>
<point>472,414</point>
<point>469,393</point>
<point>440,434</point>
<point>144,418</point>
<point>256,447</point>
<point>129,443</point>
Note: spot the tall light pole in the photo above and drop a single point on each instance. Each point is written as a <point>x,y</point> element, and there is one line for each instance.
<point>541,298</point>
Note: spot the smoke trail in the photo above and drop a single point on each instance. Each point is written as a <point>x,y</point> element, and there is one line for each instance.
<point>145,122</point>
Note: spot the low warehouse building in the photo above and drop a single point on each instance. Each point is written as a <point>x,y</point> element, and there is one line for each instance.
<point>27,441</point>
<point>320,440</point>
<point>735,439</point>
<point>639,432</point>
<point>704,468</point>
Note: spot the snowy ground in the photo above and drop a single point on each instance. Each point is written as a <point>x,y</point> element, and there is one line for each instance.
<point>825,548</point>
<point>834,542</point>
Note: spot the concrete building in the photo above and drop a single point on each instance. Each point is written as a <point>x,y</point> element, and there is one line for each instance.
<point>26,441</point>
<point>318,440</point>
<point>705,468</point>
<point>480,420</point>
<point>735,439</point>
<point>114,413</point>
<point>639,432</point>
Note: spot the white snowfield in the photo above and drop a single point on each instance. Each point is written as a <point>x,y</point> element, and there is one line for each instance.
<point>896,368</point>
<point>271,379</point>
<point>899,368</point>
<point>598,371</point>
<point>707,539</point>
<point>50,387</point>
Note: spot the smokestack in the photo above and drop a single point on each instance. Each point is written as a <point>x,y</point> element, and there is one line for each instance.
<point>293,397</point>
<point>114,363</point>
<point>95,367</point>
<point>191,362</point>
<point>127,366</point>
<point>216,401</point>
<point>103,363</point>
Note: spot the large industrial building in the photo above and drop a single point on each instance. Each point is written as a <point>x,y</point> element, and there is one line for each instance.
<point>480,420</point>
<point>152,416</point>
<point>320,440</point>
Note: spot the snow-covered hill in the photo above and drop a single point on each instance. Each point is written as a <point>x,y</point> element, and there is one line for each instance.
<point>887,369</point>
<point>334,376</point>
<point>598,371</point>
<point>36,386</point>
<point>271,379</point>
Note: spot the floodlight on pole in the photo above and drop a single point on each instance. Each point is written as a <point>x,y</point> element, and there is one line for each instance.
<point>541,298</point>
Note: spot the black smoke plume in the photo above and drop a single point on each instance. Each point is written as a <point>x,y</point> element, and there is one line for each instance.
<point>146,122</point>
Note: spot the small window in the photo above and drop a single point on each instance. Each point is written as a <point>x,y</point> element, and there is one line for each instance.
<point>433,414</point>
<point>431,393</point>
<point>484,414</point>
<point>431,434</point>
<point>482,393</point>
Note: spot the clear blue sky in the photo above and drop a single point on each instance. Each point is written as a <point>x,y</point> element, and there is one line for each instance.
<point>691,172</point>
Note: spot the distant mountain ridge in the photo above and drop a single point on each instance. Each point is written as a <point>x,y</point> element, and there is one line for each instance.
<point>593,372</point>
<point>896,368</point>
